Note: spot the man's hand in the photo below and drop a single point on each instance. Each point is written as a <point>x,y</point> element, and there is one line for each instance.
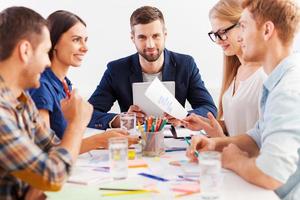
<point>104,137</point>
<point>76,110</point>
<point>140,115</point>
<point>210,124</point>
<point>199,143</point>
<point>175,122</point>
<point>231,154</point>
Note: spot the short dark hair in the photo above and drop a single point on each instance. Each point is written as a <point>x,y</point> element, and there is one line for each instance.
<point>60,22</point>
<point>146,15</point>
<point>17,23</point>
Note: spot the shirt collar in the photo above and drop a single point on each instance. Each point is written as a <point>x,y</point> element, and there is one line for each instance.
<point>7,95</point>
<point>54,80</point>
<point>276,75</point>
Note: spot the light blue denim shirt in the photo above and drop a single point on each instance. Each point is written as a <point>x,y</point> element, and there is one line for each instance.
<point>291,190</point>
<point>277,132</point>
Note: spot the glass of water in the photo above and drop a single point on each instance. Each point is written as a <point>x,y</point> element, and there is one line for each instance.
<point>210,175</point>
<point>118,157</point>
<point>128,122</point>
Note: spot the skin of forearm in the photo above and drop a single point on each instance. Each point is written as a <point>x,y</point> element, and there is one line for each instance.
<point>247,169</point>
<point>72,139</point>
<point>91,143</point>
<point>243,141</point>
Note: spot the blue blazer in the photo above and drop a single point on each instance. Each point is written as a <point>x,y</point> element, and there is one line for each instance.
<point>116,85</point>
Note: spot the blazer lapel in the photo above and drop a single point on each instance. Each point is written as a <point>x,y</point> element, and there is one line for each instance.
<point>136,75</point>
<point>169,68</point>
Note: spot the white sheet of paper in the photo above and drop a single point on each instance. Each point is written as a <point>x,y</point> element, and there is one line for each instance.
<point>161,97</point>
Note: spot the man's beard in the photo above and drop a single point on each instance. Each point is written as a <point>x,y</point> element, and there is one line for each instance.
<point>151,58</point>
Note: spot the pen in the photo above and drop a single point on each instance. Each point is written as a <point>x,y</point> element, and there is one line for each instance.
<point>175,149</point>
<point>140,127</point>
<point>102,169</point>
<point>187,178</point>
<point>203,133</point>
<point>188,142</point>
<point>125,193</point>
<point>122,189</point>
<point>185,194</point>
<point>77,182</point>
<point>163,124</point>
<point>153,177</point>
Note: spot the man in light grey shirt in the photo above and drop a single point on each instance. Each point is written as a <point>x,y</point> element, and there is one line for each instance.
<point>267,154</point>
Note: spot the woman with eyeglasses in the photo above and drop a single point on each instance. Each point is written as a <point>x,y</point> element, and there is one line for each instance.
<point>242,80</point>
<point>69,45</point>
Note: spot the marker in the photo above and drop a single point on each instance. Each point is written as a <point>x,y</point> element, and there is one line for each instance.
<point>140,127</point>
<point>126,193</point>
<point>122,189</point>
<point>175,149</point>
<point>163,124</point>
<point>76,182</point>
<point>153,177</point>
<point>188,142</point>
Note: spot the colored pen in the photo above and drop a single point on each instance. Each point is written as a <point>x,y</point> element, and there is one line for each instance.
<point>101,169</point>
<point>188,142</point>
<point>203,133</point>
<point>140,127</point>
<point>125,193</point>
<point>153,177</point>
<point>122,189</point>
<point>187,178</point>
<point>163,124</point>
<point>175,149</point>
<point>158,123</point>
<point>77,182</point>
<point>185,194</point>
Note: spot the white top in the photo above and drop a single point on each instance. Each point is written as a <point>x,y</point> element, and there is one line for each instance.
<point>241,109</point>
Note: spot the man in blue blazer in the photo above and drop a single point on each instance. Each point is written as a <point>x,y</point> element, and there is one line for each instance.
<point>148,33</point>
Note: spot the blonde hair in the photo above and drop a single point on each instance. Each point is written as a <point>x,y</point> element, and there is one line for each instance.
<point>229,10</point>
<point>283,13</point>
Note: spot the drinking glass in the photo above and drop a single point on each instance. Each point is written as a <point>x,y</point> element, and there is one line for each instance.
<point>118,157</point>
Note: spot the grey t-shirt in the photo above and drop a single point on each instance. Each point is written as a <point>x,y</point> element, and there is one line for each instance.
<point>150,77</point>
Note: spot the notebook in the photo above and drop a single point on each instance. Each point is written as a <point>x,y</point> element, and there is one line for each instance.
<point>139,98</point>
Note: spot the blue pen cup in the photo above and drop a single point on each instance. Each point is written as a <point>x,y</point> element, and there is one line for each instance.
<point>153,143</point>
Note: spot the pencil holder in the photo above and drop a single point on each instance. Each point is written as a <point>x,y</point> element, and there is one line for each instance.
<point>153,143</point>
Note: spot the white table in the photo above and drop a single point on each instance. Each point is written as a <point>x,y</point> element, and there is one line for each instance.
<point>234,187</point>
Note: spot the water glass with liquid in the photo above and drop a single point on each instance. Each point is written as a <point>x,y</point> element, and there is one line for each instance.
<point>211,177</point>
<point>128,122</point>
<point>118,157</point>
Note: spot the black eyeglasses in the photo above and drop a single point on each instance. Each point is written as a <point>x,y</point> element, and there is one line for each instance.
<point>221,34</point>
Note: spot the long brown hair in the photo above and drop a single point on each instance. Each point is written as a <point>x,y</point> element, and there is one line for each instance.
<point>229,10</point>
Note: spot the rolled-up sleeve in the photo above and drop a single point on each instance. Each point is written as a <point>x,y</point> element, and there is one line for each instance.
<point>254,133</point>
<point>280,135</point>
